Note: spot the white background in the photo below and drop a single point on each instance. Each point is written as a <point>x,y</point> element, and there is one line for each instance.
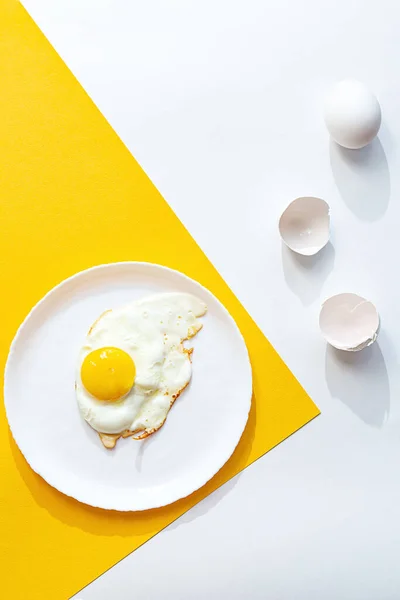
<point>221,103</point>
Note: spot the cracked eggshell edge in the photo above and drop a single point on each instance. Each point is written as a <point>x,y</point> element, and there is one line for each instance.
<point>308,250</point>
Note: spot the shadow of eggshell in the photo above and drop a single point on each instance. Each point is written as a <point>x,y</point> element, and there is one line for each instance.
<point>304,225</point>
<point>349,322</point>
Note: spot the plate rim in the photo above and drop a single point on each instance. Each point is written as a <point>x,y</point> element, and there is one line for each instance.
<point>104,267</point>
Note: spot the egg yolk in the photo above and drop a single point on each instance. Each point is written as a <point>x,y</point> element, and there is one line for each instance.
<point>108,373</point>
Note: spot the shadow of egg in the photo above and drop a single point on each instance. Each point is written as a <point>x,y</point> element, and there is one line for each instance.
<point>362,178</point>
<point>360,380</point>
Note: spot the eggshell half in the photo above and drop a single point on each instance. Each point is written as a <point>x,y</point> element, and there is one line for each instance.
<point>304,225</point>
<point>349,322</point>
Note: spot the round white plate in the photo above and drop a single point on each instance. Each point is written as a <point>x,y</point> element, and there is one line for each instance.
<point>201,431</point>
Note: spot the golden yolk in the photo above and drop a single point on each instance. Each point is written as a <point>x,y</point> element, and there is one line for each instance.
<point>108,373</point>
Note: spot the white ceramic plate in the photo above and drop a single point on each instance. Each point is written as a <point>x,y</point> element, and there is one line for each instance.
<point>201,431</point>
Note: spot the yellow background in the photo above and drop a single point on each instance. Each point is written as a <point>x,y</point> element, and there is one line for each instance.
<point>72,196</point>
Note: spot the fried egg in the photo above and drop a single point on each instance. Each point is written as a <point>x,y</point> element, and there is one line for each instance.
<point>133,365</point>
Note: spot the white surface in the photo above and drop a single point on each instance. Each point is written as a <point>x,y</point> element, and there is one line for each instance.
<point>222,103</point>
<point>186,452</point>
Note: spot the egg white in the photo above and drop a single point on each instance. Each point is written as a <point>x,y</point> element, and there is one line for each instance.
<point>151,331</point>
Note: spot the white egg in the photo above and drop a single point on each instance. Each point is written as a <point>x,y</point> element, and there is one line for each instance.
<point>352,114</point>
<point>304,225</point>
<point>349,322</point>
<point>151,332</point>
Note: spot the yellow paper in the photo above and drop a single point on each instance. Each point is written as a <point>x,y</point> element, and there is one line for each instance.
<point>72,196</point>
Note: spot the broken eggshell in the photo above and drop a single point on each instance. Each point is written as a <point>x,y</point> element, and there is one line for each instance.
<point>304,225</point>
<point>349,322</point>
